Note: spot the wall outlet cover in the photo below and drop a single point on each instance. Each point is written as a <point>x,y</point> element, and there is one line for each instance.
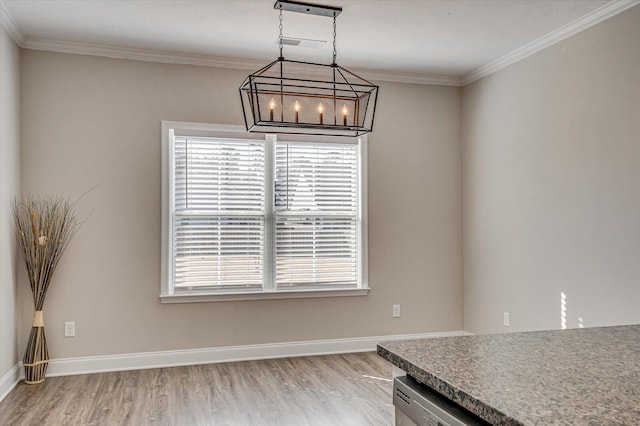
<point>69,329</point>
<point>396,311</point>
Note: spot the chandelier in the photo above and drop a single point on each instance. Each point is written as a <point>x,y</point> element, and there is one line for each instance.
<point>299,97</point>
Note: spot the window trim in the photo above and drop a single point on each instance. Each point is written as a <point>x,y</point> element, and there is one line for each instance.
<point>268,291</point>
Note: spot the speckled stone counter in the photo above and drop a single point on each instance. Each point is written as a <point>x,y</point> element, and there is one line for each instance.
<point>588,376</point>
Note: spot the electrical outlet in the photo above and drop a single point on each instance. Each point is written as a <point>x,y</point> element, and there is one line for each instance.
<point>69,329</point>
<point>396,311</point>
<point>505,319</point>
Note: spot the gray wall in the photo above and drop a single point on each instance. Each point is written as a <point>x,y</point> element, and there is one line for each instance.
<point>550,154</point>
<point>96,121</point>
<point>552,185</point>
<point>9,188</point>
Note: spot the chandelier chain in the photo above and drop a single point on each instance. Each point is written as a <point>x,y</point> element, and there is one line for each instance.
<point>335,53</point>
<point>280,28</point>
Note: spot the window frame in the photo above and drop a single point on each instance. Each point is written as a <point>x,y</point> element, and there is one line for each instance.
<point>268,290</point>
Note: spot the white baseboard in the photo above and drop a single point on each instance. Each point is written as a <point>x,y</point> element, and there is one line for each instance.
<point>139,361</point>
<point>10,380</point>
<point>144,360</point>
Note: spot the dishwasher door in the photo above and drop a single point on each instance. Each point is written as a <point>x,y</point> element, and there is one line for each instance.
<point>425,407</point>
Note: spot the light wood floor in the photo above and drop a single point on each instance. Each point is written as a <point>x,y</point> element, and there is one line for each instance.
<point>349,389</point>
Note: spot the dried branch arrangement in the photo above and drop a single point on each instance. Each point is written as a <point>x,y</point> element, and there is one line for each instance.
<point>44,227</point>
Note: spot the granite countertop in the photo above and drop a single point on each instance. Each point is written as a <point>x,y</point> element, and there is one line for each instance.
<point>564,377</point>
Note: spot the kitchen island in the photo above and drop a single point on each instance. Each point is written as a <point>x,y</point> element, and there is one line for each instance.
<point>564,377</point>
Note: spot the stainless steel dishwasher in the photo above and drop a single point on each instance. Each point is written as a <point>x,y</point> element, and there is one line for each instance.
<point>416,404</point>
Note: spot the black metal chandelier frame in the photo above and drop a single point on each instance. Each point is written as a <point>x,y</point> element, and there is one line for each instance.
<point>282,96</point>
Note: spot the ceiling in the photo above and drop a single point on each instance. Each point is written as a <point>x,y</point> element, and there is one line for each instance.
<point>419,37</point>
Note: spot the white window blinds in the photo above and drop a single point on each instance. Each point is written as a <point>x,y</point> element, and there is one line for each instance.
<point>316,215</point>
<point>218,219</point>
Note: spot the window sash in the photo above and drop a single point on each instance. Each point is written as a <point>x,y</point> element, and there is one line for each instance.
<point>316,215</point>
<point>218,220</point>
<point>218,252</point>
<point>316,252</point>
<point>219,174</point>
<point>320,177</point>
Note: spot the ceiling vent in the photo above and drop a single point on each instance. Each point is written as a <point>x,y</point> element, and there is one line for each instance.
<point>302,42</point>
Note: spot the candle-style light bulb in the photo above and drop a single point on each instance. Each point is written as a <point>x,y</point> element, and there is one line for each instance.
<point>345,111</point>
<point>272,106</point>
<point>320,110</point>
<point>296,106</point>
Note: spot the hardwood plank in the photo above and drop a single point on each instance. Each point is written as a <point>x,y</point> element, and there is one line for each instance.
<point>347,389</point>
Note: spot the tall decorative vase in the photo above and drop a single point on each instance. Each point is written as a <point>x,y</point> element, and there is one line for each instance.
<point>36,356</point>
<point>43,227</point>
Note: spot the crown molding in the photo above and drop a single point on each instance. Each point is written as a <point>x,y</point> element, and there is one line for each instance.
<point>10,25</point>
<point>211,61</point>
<point>562,33</point>
<point>398,77</point>
<point>138,54</point>
<point>549,39</point>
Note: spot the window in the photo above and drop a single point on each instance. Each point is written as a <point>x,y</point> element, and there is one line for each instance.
<point>248,216</point>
